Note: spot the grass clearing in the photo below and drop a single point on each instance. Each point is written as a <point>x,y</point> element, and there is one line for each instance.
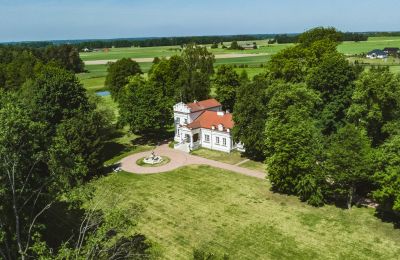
<point>224,212</point>
<point>232,158</point>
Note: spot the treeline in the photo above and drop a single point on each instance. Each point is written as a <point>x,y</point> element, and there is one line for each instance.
<point>293,38</point>
<point>382,34</point>
<point>20,63</point>
<point>165,41</point>
<point>52,141</point>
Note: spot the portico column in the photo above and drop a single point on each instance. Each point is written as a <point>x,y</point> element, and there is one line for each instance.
<point>191,140</point>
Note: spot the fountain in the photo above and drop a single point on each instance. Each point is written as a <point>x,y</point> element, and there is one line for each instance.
<point>153,159</point>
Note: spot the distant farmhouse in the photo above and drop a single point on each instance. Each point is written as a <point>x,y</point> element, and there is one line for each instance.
<point>203,124</point>
<point>377,54</point>
<point>248,46</point>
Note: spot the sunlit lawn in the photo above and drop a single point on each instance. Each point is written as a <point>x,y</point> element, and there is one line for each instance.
<point>224,212</point>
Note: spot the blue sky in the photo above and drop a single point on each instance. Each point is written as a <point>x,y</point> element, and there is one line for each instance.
<point>86,19</point>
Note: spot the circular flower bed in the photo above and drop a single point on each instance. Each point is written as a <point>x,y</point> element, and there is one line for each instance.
<point>164,161</point>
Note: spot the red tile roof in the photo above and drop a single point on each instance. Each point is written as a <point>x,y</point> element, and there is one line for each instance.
<point>211,118</point>
<point>203,105</point>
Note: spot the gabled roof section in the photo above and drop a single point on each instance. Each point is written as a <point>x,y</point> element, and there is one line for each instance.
<point>377,52</point>
<point>203,105</point>
<point>208,119</point>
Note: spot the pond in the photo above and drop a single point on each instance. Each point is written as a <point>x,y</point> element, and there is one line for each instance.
<point>103,93</point>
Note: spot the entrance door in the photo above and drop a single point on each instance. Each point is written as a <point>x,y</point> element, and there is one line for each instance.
<point>187,138</point>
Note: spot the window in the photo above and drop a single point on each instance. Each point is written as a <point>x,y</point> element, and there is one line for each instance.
<point>217,140</point>
<point>224,141</point>
<point>186,121</point>
<point>206,138</point>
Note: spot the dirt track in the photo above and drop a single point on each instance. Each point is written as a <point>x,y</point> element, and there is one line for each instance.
<point>218,56</point>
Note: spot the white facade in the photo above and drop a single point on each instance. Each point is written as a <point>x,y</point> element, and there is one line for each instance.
<point>215,138</point>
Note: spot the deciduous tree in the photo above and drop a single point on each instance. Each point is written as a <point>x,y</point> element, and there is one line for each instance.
<point>226,84</point>
<point>118,74</point>
<point>348,163</point>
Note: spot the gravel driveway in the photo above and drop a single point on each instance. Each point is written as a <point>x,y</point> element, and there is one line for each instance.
<point>180,159</point>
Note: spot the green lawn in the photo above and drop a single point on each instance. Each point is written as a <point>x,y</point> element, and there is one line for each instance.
<point>224,212</point>
<point>253,165</point>
<point>231,158</point>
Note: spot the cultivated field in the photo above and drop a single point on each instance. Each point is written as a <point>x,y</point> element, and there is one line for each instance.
<point>97,68</point>
<point>224,212</point>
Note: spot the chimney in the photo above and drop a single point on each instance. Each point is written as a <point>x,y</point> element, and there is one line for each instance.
<point>195,101</point>
<point>227,111</point>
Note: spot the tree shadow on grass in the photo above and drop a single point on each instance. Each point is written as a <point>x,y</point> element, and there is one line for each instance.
<point>388,216</point>
<point>62,222</point>
<point>154,138</point>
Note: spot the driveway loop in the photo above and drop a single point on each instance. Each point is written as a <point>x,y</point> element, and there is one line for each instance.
<point>180,159</point>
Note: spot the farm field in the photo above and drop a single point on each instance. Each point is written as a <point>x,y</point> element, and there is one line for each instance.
<point>351,48</point>
<point>94,79</point>
<point>223,212</point>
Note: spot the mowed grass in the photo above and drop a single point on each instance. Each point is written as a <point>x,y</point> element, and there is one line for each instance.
<point>224,212</point>
<point>253,165</point>
<point>231,158</point>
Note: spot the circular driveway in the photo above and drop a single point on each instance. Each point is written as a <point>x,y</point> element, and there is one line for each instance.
<point>179,159</point>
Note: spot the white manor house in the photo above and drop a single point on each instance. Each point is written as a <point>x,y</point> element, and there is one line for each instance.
<point>203,124</point>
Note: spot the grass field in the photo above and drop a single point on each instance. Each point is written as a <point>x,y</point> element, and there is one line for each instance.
<point>224,212</point>
<point>351,48</point>
<point>94,79</point>
<point>231,158</point>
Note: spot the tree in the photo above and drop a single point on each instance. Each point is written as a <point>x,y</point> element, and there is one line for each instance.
<point>141,106</point>
<point>293,64</point>
<point>333,78</point>
<point>250,116</point>
<point>165,76</point>
<point>290,64</point>
<point>102,235</point>
<point>54,95</point>
<point>67,56</point>
<point>387,174</point>
<point>76,148</point>
<point>292,142</point>
<point>226,84</point>
<point>196,69</point>
<point>348,162</point>
<point>214,45</point>
<point>22,183</point>
<point>118,74</point>
<point>376,103</point>
<point>319,34</point>
<point>235,46</point>
<point>16,69</point>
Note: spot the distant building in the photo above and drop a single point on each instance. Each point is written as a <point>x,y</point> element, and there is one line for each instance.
<point>392,51</point>
<point>248,46</point>
<point>377,54</point>
<point>203,124</point>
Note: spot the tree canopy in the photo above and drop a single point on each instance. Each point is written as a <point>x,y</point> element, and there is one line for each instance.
<point>118,74</point>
